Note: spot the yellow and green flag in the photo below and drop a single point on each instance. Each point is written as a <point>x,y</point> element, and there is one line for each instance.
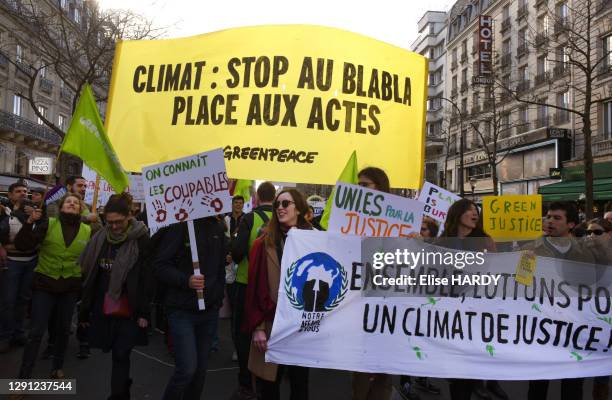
<point>86,138</point>
<point>348,175</point>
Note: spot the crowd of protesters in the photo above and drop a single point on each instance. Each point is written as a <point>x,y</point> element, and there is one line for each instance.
<point>60,258</point>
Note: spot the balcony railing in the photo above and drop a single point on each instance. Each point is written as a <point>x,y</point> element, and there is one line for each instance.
<point>541,79</point>
<point>506,60</point>
<point>542,122</point>
<point>523,11</point>
<point>24,71</point>
<point>522,49</point>
<point>45,85</point>
<point>522,127</point>
<point>561,117</point>
<point>561,25</point>
<point>541,39</point>
<point>560,70</point>
<point>464,86</point>
<point>14,123</point>
<point>505,25</point>
<point>523,86</point>
<point>66,95</point>
<point>602,146</point>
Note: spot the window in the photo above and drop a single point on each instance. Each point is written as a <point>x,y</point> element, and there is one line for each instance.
<point>464,77</point>
<point>454,82</point>
<point>542,112</point>
<point>562,11</point>
<point>43,72</point>
<point>607,52</point>
<point>522,114</point>
<point>506,47</point>
<point>43,111</point>
<point>543,66</point>
<point>77,16</point>
<point>454,56</point>
<point>522,37</point>
<point>464,106</point>
<point>506,12</point>
<point>19,53</point>
<point>523,74</point>
<point>563,99</point>
<point>61,122</point>
<point>63,4</point>
<point>17,104</point>
<point>543,25</point>
<point>478,172</point>
<point>464,50</point>
<point>607,119</point>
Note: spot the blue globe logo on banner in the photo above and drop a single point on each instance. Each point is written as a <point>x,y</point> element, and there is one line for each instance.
<point>316,283</point>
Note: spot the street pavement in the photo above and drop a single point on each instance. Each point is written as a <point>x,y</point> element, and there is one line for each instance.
<point>152,366</point>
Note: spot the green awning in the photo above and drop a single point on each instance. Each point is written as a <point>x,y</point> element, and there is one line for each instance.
<point>572,190</point>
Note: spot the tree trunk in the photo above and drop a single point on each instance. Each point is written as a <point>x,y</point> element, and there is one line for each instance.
<point>588,162</point>
<point>494,176</point>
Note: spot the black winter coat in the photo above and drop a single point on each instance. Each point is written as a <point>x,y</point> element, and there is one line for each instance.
<point>172,264</point>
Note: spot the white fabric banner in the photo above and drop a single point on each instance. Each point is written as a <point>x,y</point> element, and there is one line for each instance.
<point>324,320</point>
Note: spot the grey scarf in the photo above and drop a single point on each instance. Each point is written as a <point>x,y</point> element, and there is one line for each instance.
<point>127,255</point>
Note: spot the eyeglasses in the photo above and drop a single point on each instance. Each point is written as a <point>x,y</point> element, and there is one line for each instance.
<point>283,203</point>
<point>596,232</point>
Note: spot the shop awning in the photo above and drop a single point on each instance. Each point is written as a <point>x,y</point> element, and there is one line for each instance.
<point>573,190</point>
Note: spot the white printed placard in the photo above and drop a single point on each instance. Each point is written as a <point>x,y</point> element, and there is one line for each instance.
<point>360,211</point>
<point>186,189</point>
<point>437,201</point>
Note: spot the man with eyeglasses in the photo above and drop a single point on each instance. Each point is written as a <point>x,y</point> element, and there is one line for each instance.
<point>558,242</point>
<point>248,230</point>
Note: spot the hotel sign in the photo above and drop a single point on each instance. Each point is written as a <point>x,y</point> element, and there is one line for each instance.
<point>485,51</point>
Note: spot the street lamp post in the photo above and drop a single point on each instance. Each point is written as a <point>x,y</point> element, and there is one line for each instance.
<point>460,177</point>
<point>473,186</point>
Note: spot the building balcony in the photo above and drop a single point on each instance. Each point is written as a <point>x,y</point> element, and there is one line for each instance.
<point>541,39</point>
<point>45,85</point>
<point>542,122</point>
<point>506,60</point>
<point>522,127</point>
<point>434,142</point>
<point>541,79</point>
<point>505,25</point>
<point>560,70</point>
<point>12,123</point>
<point>602,146</point>
<point>66,95</point>
<point>523,86</point>
<point>464,87</point>
<point>23,70</point>
<point>4,60</point>
<point>561,117</point>
<point>522,50</point>
<point>561,25</point>
<point>505,97</point>
<point>522,12</point>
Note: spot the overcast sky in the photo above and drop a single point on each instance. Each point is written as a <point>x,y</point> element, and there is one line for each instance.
<point>392,21</point>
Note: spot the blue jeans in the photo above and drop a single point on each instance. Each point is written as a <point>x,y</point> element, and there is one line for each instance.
<point>192,335</point>
<point>16,294</point>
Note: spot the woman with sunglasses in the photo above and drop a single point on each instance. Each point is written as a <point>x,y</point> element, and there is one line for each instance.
<point>290,211</point>
<point>599,240</point>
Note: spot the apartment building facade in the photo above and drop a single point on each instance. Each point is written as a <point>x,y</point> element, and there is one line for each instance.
<point>23,136</point>
<point>431,43</point>
<point>531,141</point>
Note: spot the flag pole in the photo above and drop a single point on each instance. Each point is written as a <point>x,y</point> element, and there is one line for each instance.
<point>94,206</point>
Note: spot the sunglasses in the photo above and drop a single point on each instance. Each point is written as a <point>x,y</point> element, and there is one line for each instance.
<point>283,204</point>
<point>596,232</point>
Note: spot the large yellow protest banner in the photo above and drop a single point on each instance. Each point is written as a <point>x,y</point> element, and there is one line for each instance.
<point>285,103</point>
<point>512,217</point>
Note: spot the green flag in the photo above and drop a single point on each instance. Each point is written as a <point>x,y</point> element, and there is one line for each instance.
<point>348,175</point>
<point>243,188</point>
<point>87,139</point>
